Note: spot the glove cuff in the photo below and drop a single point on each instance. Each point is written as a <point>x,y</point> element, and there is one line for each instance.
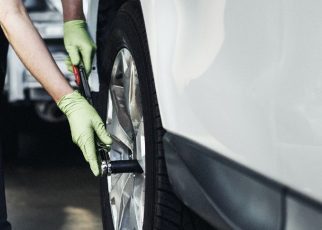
<point>70,25</point>
<point>68,103</point>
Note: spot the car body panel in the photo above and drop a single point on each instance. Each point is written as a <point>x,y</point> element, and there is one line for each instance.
<point>243,78</point>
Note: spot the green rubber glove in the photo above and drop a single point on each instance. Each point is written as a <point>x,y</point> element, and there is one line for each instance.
<point>84,121</point>
<point>78,44</point>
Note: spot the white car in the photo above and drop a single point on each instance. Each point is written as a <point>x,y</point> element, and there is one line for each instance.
<point>221,103</point>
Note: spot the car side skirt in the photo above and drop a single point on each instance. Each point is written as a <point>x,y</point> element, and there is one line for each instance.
<point>230,196</point>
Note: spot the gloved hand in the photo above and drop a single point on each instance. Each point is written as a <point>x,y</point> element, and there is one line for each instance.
<point>84,121</point>
<point>78,44</point>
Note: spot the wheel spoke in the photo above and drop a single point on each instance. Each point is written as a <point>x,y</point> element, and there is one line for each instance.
<point>140,145</point>
<point>134,216</point>
<point>121,127</point>
<point>138,199</point>
<point>122,186</point>
<point>126,201</point>
<point>132,93</point>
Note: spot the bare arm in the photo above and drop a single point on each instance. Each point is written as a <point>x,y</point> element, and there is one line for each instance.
<point>31,49</point>
<point>83,119</point>
<point>73,10</point>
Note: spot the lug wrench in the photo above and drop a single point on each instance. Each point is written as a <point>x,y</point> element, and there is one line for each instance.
<point>108,167</point>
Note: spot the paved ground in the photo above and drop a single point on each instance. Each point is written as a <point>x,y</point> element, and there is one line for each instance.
<point>52,199</point>
<point>48,184</point>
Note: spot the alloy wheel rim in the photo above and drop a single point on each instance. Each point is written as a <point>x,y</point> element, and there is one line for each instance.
<point>125,122</point>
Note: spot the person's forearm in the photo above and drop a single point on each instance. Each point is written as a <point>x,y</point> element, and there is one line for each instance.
<point>73,10</point>
<point>31,49</point>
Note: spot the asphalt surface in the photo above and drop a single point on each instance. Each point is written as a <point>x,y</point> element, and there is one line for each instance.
<point>48,184</point>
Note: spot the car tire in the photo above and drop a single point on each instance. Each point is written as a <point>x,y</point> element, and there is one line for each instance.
<point>162,209</point>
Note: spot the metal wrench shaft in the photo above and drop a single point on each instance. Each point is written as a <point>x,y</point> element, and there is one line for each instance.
<point>107,166</point>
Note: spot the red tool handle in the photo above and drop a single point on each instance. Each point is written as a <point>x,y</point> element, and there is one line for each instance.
<point>77,75</point>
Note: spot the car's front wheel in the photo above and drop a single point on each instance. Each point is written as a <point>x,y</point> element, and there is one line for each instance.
<point>127,101</point>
